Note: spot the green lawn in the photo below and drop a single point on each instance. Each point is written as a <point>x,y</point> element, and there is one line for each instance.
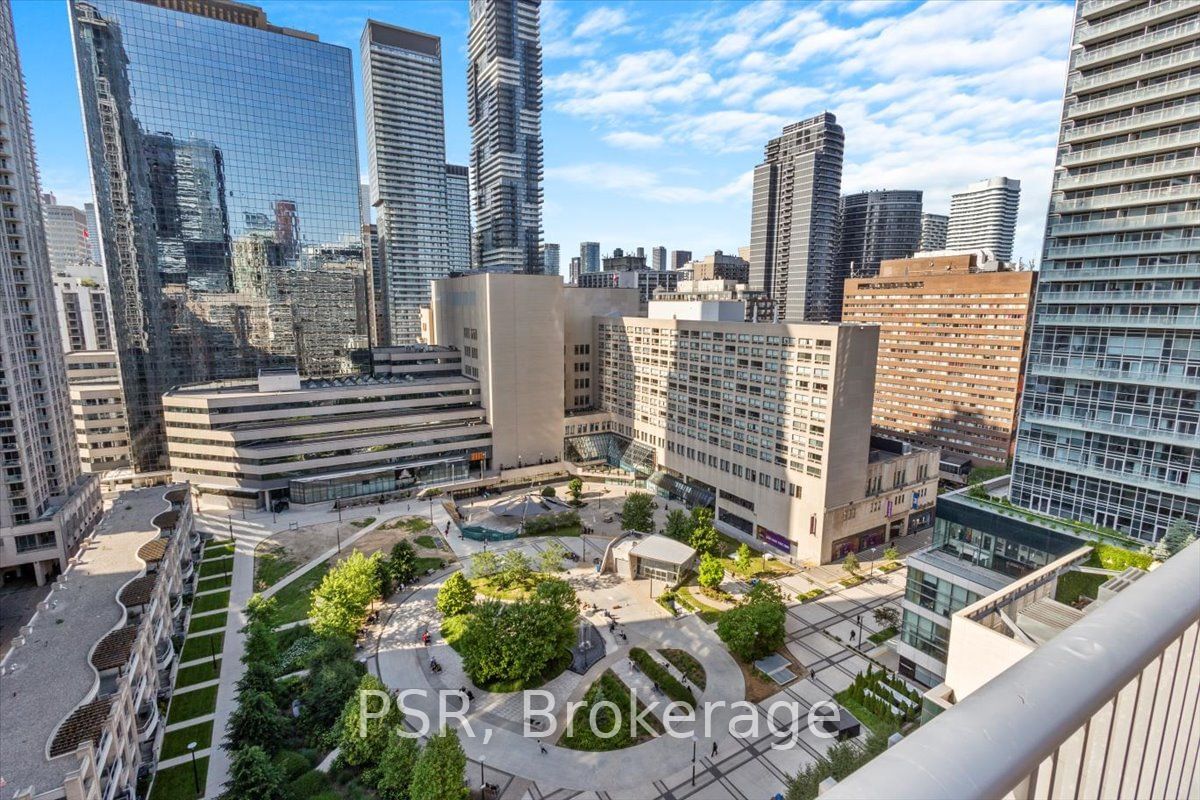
<point>656,672</point>
<point>430,562</point>
<point>882,636</point>
<point>566,531</point>
<point>1110,556</point>
<point>687,664</point>
<point>758,567</point>
<point>221,581</point>
<point>293,601</point>
<point>218,549</point>
<point>198,673</point>
<point>410,524</point>
<point>608,686</point>
<point>197,702</point>
<point>198,647</point>
<point>692,600</point>
<point>210,622</point>
<point>426,541</point>
<point>877,725</point>
<point>176,783</point>
<point>175,743</point>
<point>210,602</point>
<point>271,566</point>
<point>1073,585</point>
<point>362,523</point>
<point>216,566</point>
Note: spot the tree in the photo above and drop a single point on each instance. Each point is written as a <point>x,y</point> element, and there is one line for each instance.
<point>456,596</point>
<point>256,720</point>
<point>850,564</point>
<point>550,559</point>
<point>393,775</point>
<point>484,563</point>
<point>261,645</point>
<point>886,616</point>
<point>891,555</point>
<point>438,773</point>
<point>548,491</point>
<point>252,774</point>
<point>702,515</point>
<point>679,525</point>
<point>326,695</point>
<point>756,627</point>
<point>711,572</point>
<point>559,594</point>
<point>402,563</point>
<point>1179,534</point>
<point>637,513</point>
<point>743,557</point>
<point>575,489</point>
<point>705,539</point>
<point>363,742</point>
<point>262,609</point>
<point>258,677</point>
<point>339,604</point>
<point>518,641</point>
<point>514,568</point>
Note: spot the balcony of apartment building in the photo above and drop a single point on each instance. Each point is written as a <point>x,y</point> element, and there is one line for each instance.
<point>137,596</point>
<point>1102,202</point>
<point>1130,148</point>
<point>1131,247</point>
<point>1100,703</point>
<point>113,658</point>
<point>1134,121</point>
<point>1138,70</point>
<point>1131,222</point>
<point>1134,45</point>
<point>1130,21</point>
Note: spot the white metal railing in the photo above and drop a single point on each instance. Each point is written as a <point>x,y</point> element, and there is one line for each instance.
<point>1180,244</point>
<point>1142,119</point>
<point>1143,43</point>
<point>1129,223</point>
<point>1107,708</point>
<point>1142,68</point>
<point>1125,149</point>
<point>1139,96</point>
<point>1183,191</point>
<point>1132,19</point>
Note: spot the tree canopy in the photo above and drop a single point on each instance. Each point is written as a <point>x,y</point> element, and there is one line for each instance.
<point>637,513</point>
<point>456,596</point>
<point>439,770</point>
<point>339,604</point>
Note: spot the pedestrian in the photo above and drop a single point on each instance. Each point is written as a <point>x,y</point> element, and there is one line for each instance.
<point>714,751</point>
<point>470,696</point>
<point>541,746</point>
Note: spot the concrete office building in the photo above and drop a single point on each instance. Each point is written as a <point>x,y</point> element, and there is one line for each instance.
<point>589,256</point>
<point>1109,418</point>
<point>953,331</point>
<point>207,201</point>
<point>875,226</point>
<point>550,259</point>
<point>794,220</point>
<point>504,108</point>
<point>95,251</point>
<point>98,409</point>
<point>658,257</point>
<point>574,270</point>
<point>985,217</point>
<point>406,155</point>
<point>364,203</point>
<point>458,216</point>
<point>720,267</point>
<point>417,420</point>
<point>678,259</point>
<point>83,318</point>
<point>933,232</point>
<point>87,675</point>
<point>620,261</point>
<point>647,282</point>
<point>68,239</point>
<point>758,306</point>
<point>46,505</point>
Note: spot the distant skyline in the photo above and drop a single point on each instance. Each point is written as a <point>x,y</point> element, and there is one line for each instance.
<point>656,113</point>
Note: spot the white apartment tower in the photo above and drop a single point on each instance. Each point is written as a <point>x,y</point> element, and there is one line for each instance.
<point>45,505</point>
<point>504,107</point>
<point>933,232</point>
<point>406,152</point>
<point>67,235</point>
<point>985,216</point>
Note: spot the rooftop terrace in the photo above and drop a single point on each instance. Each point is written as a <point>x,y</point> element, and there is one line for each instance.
<point>79,612</point>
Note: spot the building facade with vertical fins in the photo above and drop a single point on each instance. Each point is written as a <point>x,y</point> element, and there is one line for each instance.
<point>1110,418</point>
<point>794,221</point>
<point>985,217</point>
<point>504,108</point>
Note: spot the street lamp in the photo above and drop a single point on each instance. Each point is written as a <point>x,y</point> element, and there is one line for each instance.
<point>231,526</point>
<point>693,759</point>
<point>195,773</point>
<point>859,618</point>
<point>482,784</point>
<point>339,537</point>
<point>212,652</point>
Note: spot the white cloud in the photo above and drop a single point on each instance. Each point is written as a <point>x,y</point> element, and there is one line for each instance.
<point>646,184</point>
<point>604,19</point>
<point>632,140</point>
<point>862,8</point>
<point>793,100</point>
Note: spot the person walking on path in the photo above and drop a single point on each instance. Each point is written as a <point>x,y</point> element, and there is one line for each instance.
<point>714,750</point>
<point>541,746</point>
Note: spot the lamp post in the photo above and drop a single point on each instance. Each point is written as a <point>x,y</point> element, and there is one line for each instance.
<point>693,759</point>
<point>338,529</point>
<point>482,784</point>
<point>212,652</point>
<point>859,619</point>
<point>195,773</point>
<point>231,526</point>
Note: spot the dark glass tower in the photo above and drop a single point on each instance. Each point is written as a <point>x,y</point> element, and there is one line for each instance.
<point>225,171</point>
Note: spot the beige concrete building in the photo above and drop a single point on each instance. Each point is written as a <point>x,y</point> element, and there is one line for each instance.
<point>767,423</point>
<point>84,677</point>
<point>953,329</point>
<point>98,408</point>
<point>314,440</point>
<point>758,305</point>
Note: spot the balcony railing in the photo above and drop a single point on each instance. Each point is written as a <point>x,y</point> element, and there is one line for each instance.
<point>1147,68</point>
<point>1113,52</point>
<point>1132,122</point>
<point>1132,19</point>
<point>1153,246</point>
<point>1135,97</point>
<point>1147,144</point>
<point>1184,191</point>
<point>1129,223</point>
<point>1106,708</point>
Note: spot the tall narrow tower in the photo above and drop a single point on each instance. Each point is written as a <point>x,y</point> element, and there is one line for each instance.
<point>985,216</point>
<point>504,107</point>
<point>794,222</point>
<point>1109,416</point>
<point>406,155</point>
<point>45,505</point>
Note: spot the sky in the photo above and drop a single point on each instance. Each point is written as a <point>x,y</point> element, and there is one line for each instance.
<point>656,111</point>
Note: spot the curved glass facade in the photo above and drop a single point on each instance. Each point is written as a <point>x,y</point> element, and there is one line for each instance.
<point>224,160</point>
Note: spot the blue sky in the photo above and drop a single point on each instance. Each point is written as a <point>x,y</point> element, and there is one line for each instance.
<point>657,111</point>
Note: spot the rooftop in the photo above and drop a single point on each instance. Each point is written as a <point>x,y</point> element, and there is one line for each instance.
<point>79,612</point>
<point>662,548</point>
<point>249,387</point>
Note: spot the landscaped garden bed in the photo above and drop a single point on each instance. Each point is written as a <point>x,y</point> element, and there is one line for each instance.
<point>581,736</point>
<point>202,647</point>
<point>175,742</point>
<point>687,664</point>
<point>210,602</point>
<point>661,676</point>
<point>208,622</point>
<point>197,673</point>
<point>191,704</point>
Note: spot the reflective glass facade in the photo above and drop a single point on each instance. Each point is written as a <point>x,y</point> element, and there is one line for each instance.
<point>1110,419</point>
<point>224,162</point>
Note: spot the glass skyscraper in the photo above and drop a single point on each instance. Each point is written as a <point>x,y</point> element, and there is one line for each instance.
<point>224,161</point>
<point>1110,426</point>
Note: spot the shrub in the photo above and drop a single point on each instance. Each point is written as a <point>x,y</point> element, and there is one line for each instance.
<point>711,572</point>
<point>660,675</point>
<point>548,491</point>
<point>456,596</point>
<point>439,770</point>
<point>309,786</point>
<point>291,764</point>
